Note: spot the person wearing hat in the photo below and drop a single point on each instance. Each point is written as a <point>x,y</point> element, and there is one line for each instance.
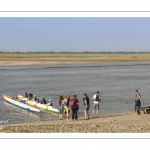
<point>86,103</point>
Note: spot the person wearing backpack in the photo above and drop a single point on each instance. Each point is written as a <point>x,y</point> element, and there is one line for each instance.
<point>74,107</point>
<point>86,102</point>
<point>137,100</point>
<point>97,99</point>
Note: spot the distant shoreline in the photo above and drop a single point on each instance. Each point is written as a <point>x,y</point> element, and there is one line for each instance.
<point>40,60</point>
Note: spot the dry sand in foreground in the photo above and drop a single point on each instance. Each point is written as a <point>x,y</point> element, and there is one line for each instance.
<point>117,123</point>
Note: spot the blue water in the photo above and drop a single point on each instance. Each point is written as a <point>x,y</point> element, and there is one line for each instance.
<point>116,83</point>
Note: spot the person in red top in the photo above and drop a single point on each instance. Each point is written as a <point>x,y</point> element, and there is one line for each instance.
<point>25,95</point>
<point>74,107</point>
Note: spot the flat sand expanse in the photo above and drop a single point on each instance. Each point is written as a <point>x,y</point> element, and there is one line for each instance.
<point>114,123</point>
<point>47,62</point>
<point>4,62</point>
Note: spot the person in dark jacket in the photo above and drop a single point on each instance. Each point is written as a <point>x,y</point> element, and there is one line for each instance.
<point>137,100</point>
<point>74,107</point>
<point>43,101</point>
<point>86,103</point>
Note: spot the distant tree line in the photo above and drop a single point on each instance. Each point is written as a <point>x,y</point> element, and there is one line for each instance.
<point>85,52</point>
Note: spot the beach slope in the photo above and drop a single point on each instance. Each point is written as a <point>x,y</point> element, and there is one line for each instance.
<point>113,123</point>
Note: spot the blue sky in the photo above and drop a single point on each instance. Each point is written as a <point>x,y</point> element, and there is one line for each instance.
<point>74,34</point>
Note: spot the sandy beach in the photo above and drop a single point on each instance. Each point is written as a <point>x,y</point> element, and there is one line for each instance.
<point>113,123</point>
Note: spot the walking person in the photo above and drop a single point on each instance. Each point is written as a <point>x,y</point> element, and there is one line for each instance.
<point>74,107</point>
<point>137,100</point>
<point>67,102</point>
<point>97,99</point>
<point>86,103</point>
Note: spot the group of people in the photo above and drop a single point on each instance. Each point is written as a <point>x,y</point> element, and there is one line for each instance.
<point>35,98</point>
<point>67,103</point>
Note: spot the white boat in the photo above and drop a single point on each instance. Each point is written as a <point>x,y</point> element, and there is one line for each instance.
<point>20,104</point>
<point>47,108</point>
<point>22,98</point>
<point>38,105</point>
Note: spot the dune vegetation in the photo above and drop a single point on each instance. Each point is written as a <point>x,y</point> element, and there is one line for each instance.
<point>76,55</point>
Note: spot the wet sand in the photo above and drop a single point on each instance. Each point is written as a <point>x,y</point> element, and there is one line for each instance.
<point>114,123</point>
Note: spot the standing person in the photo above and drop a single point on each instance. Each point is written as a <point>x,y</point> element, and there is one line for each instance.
<point>97,99</point>
<point>43,101</point>
<point>137,100</point>
<point>86,103</point>
<point>62,107</point>
<point>67,101</point>
<point>74,107</point>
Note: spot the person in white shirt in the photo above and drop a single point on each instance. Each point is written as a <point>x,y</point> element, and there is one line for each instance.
<point>50,103</point>
<point>97,99</point>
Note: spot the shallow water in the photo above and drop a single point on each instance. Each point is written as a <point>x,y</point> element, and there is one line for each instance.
<point>116,83</point>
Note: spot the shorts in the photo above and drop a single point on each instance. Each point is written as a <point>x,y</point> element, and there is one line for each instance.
<point>61,111</point>
<point>87,107</point>
<point>96,106</point>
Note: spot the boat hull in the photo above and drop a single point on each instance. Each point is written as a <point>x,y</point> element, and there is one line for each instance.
<point>38,105</point>
<point>19,104</point>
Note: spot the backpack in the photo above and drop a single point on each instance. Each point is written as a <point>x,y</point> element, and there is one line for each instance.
<point>86,99</point>
<point>97,98</point>
<point>73,102</point>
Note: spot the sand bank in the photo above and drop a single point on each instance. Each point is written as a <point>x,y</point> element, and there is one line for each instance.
<point>67,61</point>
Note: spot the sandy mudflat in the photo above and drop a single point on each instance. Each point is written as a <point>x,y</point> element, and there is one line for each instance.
<point>47,61</point>
<point>113,123</point>
<point>65,61</point>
